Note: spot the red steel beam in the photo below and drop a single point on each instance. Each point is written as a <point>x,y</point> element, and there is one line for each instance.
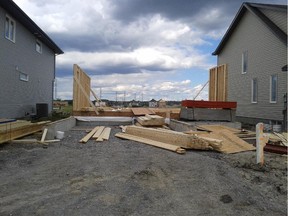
<point>275,149</point>
<point>209,104</point>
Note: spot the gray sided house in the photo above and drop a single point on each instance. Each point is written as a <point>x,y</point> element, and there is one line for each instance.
<point>254,48</point>
<point>27,63</point>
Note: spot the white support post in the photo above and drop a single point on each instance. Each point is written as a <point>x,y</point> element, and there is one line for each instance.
<point>260,143</point>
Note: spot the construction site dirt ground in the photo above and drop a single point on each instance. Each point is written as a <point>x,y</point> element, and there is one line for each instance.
<point>121,177</point>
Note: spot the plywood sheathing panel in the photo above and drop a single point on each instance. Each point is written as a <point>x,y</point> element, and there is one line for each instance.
<point>218,83</point>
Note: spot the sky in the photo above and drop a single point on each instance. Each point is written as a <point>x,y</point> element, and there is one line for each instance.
<point>136,49</point>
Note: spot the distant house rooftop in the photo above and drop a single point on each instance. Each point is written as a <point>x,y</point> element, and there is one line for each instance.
<point>15,11</point>
<point>254,9</point>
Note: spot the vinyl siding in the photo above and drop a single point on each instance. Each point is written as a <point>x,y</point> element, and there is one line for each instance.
<point>266,56</point>
<point>19,97</point>
<point>278,17</point>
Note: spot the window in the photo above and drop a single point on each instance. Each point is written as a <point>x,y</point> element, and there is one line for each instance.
<point>273,88</point>
<point>10,28</point>
<point>244,62</point>
<point>254,91</point>
<point>38,46</point>
<point>23,76</point>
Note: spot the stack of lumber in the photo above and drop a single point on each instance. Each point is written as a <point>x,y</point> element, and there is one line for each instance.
<point>230,137</point>
<point>151,120</point>
<point>99,134</point>
<point>278,138</point>
<point>16,129</point>
<point>170,140</point>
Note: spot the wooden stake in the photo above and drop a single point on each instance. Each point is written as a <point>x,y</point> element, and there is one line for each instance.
<point>106,133</point>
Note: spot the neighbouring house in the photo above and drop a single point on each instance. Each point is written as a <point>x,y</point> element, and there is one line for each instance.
<point>254,53</point>
<point>27,64</point>
<point>161,103</point>
<point>153,103</point>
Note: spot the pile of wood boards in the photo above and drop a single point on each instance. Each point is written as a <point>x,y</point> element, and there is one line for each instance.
<point>232,143</point>
<point>170,140</point>
<point>278,138</point>
<point>211,137</point>
<point>13,130</point>
<point>151,120</point>
<point>99,134</point>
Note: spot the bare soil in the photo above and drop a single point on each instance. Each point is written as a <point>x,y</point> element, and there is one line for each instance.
<point>120,177</point>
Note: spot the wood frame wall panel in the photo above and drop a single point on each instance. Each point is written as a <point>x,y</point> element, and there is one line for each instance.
<point>218,83</point>
<point>79,99</point>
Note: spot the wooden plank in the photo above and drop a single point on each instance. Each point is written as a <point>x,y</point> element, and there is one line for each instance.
<point>88,136</point>
<point>158,144</point>
<point>25,141</point>
<point>138,111</point>
<point>172,137</point>
<point>209,104</point>
<point>98,132</point>
<point>106,133</point>
<point>44,135</point>
<point>151,120</point>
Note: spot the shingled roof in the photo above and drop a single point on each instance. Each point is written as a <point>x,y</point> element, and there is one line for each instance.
<point>15,11</point>
<point>255,10</point>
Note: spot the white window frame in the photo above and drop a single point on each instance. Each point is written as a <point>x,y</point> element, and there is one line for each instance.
<point>38,46</point>
<point>254,90</point>
<point>11,28</point>
<point>271,88</point>
<point>244,62</point>
<point>23,76</point>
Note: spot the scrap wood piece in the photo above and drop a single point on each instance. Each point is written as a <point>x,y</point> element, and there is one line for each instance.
<point>231,143</point>
<point>44,135</point>
<point>98,132</point>
<point>174,138</point>
<point>158,144</point>
<point>89,135</point>
<point>25,141</point>
<point>195,132</point>
<point>151,120</point>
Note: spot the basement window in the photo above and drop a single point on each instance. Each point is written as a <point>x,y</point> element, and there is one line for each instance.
<point>244,62</point>
<point>38,46</point>
<point>23,77</point>
<point>10,28</point>
<point>254,91</point>
<point>273,88</point>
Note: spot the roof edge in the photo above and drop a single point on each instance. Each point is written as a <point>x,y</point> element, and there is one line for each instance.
<point>14,10</point>
<point>252,7</point>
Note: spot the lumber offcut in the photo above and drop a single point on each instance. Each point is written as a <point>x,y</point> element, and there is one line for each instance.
<point>151,120</point>
<point>170,147</point>
<point>174,138</point>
